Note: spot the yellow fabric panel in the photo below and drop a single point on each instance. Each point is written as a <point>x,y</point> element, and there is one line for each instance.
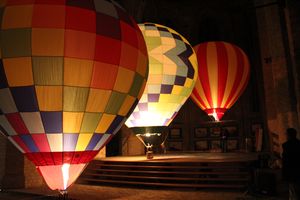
<point>75,98</point>
<point>170,69</point>
<point>18,71</point>
<point>176,89</point>
<point>154,79</point>
<point>152,33</point>
<point>232,70</point>
<point>48,42</point>
<point>188,83</point>
<point>77,72</point>
<point>83,141</point>
<point>49,97</point>
<point>199,87</point>
<point>124,80</point>
<point>212,62</point>
<point>55,142</point>
<point>97,100</point>
<point>104,123</point>
<point>126,105</point>
<point>168,41</point>
<point>72,122</point>
<point>156,69</point>
<point>17,17</point>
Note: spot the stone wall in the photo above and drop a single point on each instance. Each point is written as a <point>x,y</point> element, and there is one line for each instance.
<point>278,78</point>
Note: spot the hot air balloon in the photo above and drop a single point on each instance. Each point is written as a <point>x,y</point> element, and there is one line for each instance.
<point>172,75</point>
<point>71,72</point>
<point>222,78</point>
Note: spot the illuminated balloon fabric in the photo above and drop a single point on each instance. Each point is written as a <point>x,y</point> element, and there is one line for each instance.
<point>222,78</point>
<point>172,75</point>
<point>70,74</point>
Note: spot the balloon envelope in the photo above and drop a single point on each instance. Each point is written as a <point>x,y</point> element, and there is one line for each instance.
<point>70,74</point>
<point>224,72</point>
<point>172,75</point>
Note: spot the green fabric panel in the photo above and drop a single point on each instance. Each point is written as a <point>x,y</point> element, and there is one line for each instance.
<point>152,42</point>
<point>47,70</point>
<point>182,70</point>
<point>75,98</point>
<point>136,85</point>
<point>16,43</point>
<point>90,122</point>
<point>115,102</point>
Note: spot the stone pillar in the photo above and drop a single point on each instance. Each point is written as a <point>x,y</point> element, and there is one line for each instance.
<point>14,168</point>
<point>279,88</point>
<point>3,141</point>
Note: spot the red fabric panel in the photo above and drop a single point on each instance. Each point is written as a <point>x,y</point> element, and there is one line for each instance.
<point>107,50</point>
<point>41,142</point>
<point>19,2</point>
<point>56,2</point>
<point>48,16</point>
<point>129,34</point>
<point>104,76</point>
<point>80,19</point>
<point>17,123</point>
<point>203,72</point>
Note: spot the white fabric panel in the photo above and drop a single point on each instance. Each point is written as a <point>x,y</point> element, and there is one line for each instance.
<point>33,122</point>
<point>55,142</point>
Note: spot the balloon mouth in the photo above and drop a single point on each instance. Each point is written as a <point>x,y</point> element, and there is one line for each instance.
<point>216,113</point>
<point>60,177</point>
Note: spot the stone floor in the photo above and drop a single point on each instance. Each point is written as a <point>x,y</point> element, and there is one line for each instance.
<point>84,192</point>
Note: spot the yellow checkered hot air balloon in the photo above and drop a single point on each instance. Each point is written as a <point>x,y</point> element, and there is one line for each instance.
<point>172,75</point>
<point>70,74</point>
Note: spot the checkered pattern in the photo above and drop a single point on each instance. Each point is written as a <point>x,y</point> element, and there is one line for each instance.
<point>172,75</point>
<point>71,71</point>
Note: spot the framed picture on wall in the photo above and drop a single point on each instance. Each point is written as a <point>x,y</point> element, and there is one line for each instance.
<point>174,146</point>
<point>201,132</point>
<point>232,145</point>
<point>232,131</point>
<point>201,145</point>
<point>215,144</point>
<point>215,131</point>
<point>175,133</point>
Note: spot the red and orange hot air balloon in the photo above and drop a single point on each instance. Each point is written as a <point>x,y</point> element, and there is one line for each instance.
<point>223,76</point>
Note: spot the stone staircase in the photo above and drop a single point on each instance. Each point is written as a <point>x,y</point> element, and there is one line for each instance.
<point>168,174</point>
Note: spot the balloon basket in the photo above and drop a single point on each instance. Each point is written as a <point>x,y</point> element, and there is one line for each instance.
<point>63,195</point>
<point>149,155</point>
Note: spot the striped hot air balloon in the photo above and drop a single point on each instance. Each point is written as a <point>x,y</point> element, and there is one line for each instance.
<point>223,76</point>
<point>70,74</point>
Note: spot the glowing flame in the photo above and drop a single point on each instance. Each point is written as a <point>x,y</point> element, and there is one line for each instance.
<point>214,114</point>
<point>65,173</point>
<point>147,134</point>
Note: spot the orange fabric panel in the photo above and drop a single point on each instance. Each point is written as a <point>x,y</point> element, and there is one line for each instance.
<point>49,97</point>
<point>80,44</point>
<point>21,65</point>
<point>17,17</point>
<point>129,101</point>
<point>97,100</point>
<point>48,42</point>
<point>72,122</point>
<point>124,80</point>
<point>77,72</point>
